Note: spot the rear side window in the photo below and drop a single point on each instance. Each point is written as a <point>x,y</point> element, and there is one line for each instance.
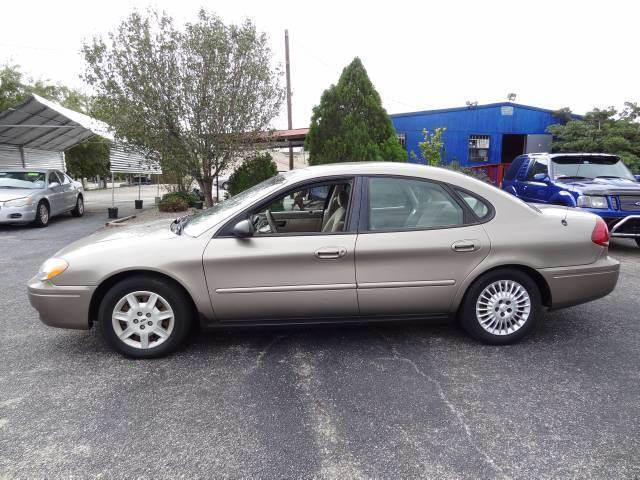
<point>479,207</point>
<point>404,204</point>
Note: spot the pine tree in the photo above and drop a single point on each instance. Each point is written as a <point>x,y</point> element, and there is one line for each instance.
<point>350,125</point>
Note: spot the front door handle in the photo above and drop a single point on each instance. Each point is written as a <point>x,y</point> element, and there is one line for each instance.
<point>464,246</point>
<point>330,252</point>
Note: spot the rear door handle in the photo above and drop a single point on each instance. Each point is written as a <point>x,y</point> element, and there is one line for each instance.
<point>464,246</point>
<point>330,252</point>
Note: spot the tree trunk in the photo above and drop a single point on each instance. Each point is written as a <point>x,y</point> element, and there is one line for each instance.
<point>205,186</point>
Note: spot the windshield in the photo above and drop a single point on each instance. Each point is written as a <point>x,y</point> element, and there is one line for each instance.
<point>590,167</point>
<point>32,180</point>
<point>201,222</point>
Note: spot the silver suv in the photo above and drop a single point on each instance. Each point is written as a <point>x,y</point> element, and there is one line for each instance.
<point>36,194</point>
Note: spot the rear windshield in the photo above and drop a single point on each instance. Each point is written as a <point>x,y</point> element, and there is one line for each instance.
<point>590,167</point>
<point>22,180</point>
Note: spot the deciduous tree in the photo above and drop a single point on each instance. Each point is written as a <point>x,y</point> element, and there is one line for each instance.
<point>606,131</point>
<point>195,95</point>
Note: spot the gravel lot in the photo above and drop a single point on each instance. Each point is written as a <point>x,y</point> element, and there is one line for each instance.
<point>359,402</point>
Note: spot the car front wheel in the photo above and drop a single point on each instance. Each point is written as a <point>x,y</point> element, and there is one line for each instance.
<point>501,307</point>
<point>78,211</point>
<point>42,214</point>
<point>144,317</point>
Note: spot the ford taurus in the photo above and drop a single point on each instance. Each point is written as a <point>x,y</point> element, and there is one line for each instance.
<point>332,244</point>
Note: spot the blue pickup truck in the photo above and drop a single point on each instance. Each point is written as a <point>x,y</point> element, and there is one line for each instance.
<point>598,183</point>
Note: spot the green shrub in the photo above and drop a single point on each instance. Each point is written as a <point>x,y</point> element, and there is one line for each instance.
<point>188,197</point>
<point>252,172</point>
<point>172,203</point>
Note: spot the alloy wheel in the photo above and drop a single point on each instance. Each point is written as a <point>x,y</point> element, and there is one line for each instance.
<point>44,214</point>
<point>143,320</point>
<point>503,307</point>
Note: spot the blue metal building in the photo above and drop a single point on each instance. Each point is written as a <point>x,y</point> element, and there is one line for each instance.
<point>480,134</point>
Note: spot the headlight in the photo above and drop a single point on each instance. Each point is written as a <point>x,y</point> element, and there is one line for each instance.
<point>52,268</point>
<point>592,201</point>
<point>19,202</point>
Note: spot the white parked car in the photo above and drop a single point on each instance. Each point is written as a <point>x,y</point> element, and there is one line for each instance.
<point>37,194</point>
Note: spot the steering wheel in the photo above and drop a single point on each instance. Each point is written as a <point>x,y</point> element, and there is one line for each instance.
<point>272,222</point>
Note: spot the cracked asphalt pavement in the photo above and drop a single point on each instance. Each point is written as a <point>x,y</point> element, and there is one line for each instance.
<point>393,401</point>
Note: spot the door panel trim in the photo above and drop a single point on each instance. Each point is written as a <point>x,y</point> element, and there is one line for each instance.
<point>420,283</point>
<point>289,288</point>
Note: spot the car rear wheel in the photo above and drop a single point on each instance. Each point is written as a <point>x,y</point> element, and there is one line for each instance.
<point>501,307</point>
<point>42,215</point>
<point>144,317</point>
<point>78,211</point>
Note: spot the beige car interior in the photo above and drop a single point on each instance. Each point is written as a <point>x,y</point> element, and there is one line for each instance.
<point>316,208</point>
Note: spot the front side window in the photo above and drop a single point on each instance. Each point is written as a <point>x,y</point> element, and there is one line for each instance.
<point>53,177</point>
<point>399,204</point>
<point>538,167</point>
<point>200,222</point>
<point>319,208</point>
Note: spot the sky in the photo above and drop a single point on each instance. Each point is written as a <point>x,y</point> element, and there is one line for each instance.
<point>419,54</point>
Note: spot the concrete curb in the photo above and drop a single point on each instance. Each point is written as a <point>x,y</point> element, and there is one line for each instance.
<point>118,221</point>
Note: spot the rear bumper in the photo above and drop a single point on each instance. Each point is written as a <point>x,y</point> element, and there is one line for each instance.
<point>580,284</point>
<point>64,307</point>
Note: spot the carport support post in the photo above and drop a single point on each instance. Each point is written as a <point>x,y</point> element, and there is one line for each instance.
<point>113,191</point>
<point>139,185</point>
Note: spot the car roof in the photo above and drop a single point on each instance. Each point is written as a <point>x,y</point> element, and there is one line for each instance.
<point>572,154</point>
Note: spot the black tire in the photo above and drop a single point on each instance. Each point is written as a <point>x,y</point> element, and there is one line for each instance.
<point>638,241</point>
<point>470,321</point>
<point>78,211</point>
<point>225,186</point>
<point>178,301</point>
<point>43,214</point>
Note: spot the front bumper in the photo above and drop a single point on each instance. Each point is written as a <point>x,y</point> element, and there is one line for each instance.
<point>17,214</point>
<point>582,283</point>
<point>61,306</point>
<point>628,226</point>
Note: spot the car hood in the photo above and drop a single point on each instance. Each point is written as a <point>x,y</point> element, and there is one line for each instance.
<point>12,193</point>
<point>602,186</point>
<point>125,235</point>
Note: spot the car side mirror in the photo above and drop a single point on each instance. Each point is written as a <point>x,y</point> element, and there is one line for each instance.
<point>243,229</point>
<point>53,184</point>
<point>541,177</point>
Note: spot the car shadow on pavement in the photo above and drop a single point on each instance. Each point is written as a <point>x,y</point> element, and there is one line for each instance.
<point>551,327</point>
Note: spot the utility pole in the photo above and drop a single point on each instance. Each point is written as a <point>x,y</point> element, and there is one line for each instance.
<point>290,126</point>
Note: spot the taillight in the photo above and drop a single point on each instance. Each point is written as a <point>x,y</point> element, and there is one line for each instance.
<point>600,234</point>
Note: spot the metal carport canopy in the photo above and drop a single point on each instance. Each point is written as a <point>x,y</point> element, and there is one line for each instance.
<point>40,124</point>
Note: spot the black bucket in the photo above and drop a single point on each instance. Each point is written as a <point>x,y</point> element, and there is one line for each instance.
<point>138,204</point>
<point>113,212</point>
